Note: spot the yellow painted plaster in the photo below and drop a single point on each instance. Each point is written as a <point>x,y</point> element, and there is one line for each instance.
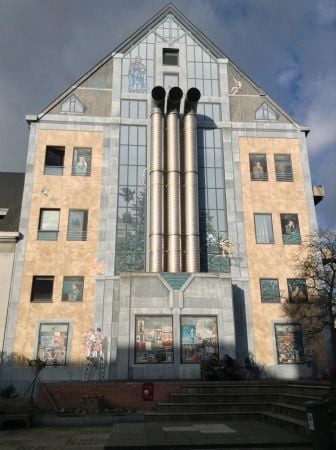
<point>61,258</point>
<point>270,260</point>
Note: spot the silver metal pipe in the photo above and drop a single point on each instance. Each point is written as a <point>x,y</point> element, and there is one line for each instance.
<point>173,172</point>
<point>191,214</point>
<point>156,176</point>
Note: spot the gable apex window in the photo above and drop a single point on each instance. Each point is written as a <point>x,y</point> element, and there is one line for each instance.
<point>72,105</point>
<point>170,56</point>
<point>265,112</point>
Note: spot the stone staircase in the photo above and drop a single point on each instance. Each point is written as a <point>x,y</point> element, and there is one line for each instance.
<point>278,403</point>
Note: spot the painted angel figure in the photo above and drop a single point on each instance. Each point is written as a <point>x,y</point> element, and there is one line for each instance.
<point>237,88</point>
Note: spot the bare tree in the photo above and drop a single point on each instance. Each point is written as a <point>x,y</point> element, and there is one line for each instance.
<point>316,264</point>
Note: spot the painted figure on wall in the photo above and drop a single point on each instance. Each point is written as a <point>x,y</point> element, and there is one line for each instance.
<point>137,76</point>
<point>290,229</point>
<point>94,344</point>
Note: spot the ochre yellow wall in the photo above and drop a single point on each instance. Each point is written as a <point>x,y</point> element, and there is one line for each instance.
<point>61,258</point>
<point>270,260</point>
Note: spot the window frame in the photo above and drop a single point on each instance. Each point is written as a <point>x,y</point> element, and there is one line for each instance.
<point>34,291</point>
<point>166,51</point>
<point>138,333</point>
<point>283,218</point>
<point>51,169</point>
<point>301,345</point>
<point>255,228</point>
<point>41,232</point>
<point>197,316</point>
<point>264,176</point>
<point>268,109</point>
<point>286,177</point>
<point>73,280</point>
<point>303,283</point>
<point>82,235</point>
<point>76,160</point>
<point>65,346</point>
<point>262,299</point>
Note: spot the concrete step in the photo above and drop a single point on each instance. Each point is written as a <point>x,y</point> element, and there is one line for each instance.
<point>296,411</point>
<point>284,421</point>
<point>158,416</point>
<point>211,407</point>
<point>230,388</point>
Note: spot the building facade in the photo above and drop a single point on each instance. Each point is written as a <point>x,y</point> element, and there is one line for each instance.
<point>165,198</point>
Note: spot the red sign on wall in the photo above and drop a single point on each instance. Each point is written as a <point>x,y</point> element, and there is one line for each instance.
<point>148,392</point>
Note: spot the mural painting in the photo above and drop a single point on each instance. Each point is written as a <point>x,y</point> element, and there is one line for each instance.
<point>297,290</point>
<point>289,343</point>
<point>153,340</point>
<point>137,76</point>
<point>52,346</point>
<point>290,229</point>
<point>269,290</point>
<point>198,338</point>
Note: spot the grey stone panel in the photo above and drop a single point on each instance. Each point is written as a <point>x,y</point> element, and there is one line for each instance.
<point>14,298</point>
<point>97,102</point>
<point>243,109</point>
<point>101,78</point>
<point>148,287</point>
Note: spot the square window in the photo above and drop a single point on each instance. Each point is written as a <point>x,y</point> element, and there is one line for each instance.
<point>263,228</point>
<point>258,167</point>
<point>289,343</point>
<point>297,290</point>
<point>170,56</point>
<point>154,340</point>
<point>54,160</point>
<point>198,338</point>
<point>42,289</point>
<point>269,290</point>
<point>81,163</point>
<point>283,167</point>
<point>52,343</point>
<point>48,225</point>
<point>72,289</point>
<point>77,225</point>
<point>290,229</point>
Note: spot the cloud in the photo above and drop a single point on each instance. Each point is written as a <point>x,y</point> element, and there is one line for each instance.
<point>326,12</point>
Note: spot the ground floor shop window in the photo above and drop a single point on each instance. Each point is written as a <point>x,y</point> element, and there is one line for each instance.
<point>289,343</point>
<point>198,338</point>
<point>52,343</point>
<point>153,339</point>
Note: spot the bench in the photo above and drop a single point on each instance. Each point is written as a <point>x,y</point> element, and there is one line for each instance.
<point>15,409</point>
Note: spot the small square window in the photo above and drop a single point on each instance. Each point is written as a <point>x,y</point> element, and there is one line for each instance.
<point>72,289</point>
<point>170,56</point>
<point>42,289</point>
<point>48,225</point>
<point>283,168</point>
<point>290,229</point>
<point>263,228</point>
<point>54,160</point>
<point>81,164</point>
<point>297,290</point>
<point>269,290</point>
<point>77,225</point>
<point>258,167</point>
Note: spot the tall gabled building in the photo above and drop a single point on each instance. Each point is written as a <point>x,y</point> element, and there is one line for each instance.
<point>165,197</point>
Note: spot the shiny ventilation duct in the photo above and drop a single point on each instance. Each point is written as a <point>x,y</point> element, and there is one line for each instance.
<point>173,173</point>
<point>169,217</point>
<point>191,213</point>
<point>156,175</point>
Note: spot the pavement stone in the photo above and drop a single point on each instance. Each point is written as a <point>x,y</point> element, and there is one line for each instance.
<point>146,435</point>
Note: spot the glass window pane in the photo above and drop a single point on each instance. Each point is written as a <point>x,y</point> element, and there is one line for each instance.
<point>290,229</point>
<point>133,113</point>
<point>52,344</point>
<point>81,164</point>
<point>141,135</point>
<point>216,113</point>
<point>73,289</point>
<point>154,340</point>
<point>220,199</point>
<point>199,338</point>
<point>191,69</point>
<point>211,181</point>
<point>123,154</point>
<point>77,225</point>
<point>142,156</point>
<point>258,167</point>
<point>142,110</point>
<point>190,53</point>
<point>124,108</point>
<point>269,290</point>
<point>42,289</point>
<point>133,135</point>
<point>289,343</point>
<point>210,157</point>
<point>198,69</point>
<point>283,167</point>
<point>297,290</point>
<point>123,135</point>
<point>221,218</point>
<point>123,175</point>
<point>132,155</point>
<point>212,199</point>
<point>207,71</point>
<point>263,228</point>
<point>198,54</point>
<point>49,219</point>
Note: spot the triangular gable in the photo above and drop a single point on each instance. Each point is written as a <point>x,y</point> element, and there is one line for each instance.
<point>157,26</point>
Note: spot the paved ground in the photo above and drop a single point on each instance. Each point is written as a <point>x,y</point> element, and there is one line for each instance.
<point>250,435</point>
